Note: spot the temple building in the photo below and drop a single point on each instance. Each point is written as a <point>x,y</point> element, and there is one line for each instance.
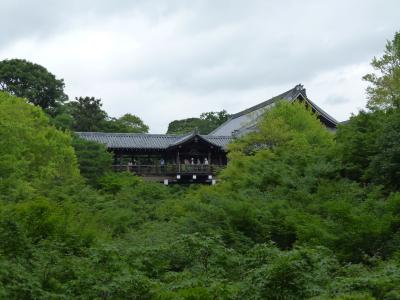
<point>193,157</point>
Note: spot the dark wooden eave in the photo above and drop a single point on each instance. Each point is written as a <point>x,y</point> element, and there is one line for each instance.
<point>144,141</point>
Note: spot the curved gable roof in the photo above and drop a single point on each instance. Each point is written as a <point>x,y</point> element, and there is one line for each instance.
<point>149,141</point>
<point>245,121</point>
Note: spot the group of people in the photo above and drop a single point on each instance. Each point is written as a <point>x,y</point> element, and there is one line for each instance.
<point>132,163</point>
<point>192,161</point>
<point>186,161</point>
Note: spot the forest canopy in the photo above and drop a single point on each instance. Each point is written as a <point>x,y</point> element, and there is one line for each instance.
<point>206,123</point>
<point>33,82</point>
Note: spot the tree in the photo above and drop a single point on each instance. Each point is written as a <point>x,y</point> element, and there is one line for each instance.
<point>214,119</point>
<point>185,126</point>
<point>385,164</point>
<point>126,123</point>
<point>207,122</point>
<point>31,150</point>
<point>356,143</point>
<point>93,158</point>
<point>87,114</point>
<point>369,148</point>
<point>24,79</point>
<point>369,143</point>
<point>133,123</point>
<point>384,91</point>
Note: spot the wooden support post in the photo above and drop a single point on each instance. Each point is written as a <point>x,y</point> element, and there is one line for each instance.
<point>209,160</point>
<point>178,161</point>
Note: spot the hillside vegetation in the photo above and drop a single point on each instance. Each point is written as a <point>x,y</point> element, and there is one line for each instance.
<point>299,213</point>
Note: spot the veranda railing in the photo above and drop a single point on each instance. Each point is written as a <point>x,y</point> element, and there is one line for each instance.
<point>169,169</point>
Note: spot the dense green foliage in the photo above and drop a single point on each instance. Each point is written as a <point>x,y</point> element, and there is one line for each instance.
<point>299,213</point>
<point>31,81</point>
<point>207,122</point>
<point>93,158</point>
<point>283,224</point>
<point>31,152</point>
<point>370,150</point>
<point>384,89</point>
<point>130,123</point>
<point>86,114</point>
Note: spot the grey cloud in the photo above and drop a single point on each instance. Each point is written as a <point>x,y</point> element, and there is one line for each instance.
<point>45,18</point>
<point>257,51</point>
<point>336,99</point>
<point>209,50</point>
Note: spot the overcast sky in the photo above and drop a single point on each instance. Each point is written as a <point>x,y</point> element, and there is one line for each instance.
<point>166,60</point>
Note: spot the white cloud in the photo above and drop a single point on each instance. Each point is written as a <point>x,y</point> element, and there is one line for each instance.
<point>340,91</point>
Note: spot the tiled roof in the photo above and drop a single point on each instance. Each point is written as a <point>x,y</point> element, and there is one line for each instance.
<point>148,141</point>
<point>289,95</point>
<point>237,125</point>
<point>221,141</point>
<point>245,121</point>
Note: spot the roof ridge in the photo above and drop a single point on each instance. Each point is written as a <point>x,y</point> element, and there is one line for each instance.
<point>215,136</point>
<point>129,134</point>
<point>299,88</point>
<point>324,113</point>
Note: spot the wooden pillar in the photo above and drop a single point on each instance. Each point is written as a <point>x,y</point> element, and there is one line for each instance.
<point>178,161</point>
<point>209,160</point>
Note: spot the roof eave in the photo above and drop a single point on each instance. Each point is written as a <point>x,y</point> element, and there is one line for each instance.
<point>192,136</point>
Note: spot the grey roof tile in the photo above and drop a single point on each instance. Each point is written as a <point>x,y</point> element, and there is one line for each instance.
<point>237,125</point>
<point>245,120</point>
<point>147,141</point>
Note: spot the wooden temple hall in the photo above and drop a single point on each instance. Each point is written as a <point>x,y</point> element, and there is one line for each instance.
<point>192,158</point>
